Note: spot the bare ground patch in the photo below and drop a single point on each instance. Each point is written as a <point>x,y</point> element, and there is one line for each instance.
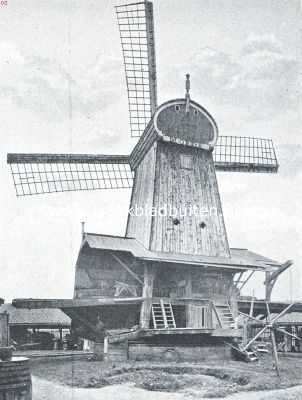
<point>194,380</point>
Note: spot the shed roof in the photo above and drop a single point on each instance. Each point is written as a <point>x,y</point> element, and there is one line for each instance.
<point>36,317</point>
<point>240,258</point>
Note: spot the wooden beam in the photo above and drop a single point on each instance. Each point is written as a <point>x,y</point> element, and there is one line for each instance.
<point>43,158</point>
<point>216,314</point>
<point>282,312</point>
<point>133,274</point>
<point>74,303</point>
<point>149,276</point>
<point>122,337</point>
<point>271,278</point>
<point>177,331</point>
<point>247,279</point>
<point>274,275</point>
<point>4,329</point>
<point>237,280</point>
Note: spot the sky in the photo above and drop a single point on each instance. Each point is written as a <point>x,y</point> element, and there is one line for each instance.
<point>62,89</point>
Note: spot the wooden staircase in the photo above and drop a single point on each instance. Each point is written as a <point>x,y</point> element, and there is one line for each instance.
<point>162,315</point>
<point>224,316</point>
<point>248,355</point>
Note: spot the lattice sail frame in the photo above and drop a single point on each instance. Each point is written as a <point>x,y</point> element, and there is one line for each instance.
<point>136,28</point>
<point>245,154</point>
<point>48,173</point>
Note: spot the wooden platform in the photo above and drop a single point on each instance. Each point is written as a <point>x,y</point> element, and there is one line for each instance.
<point>176,331</point>
<point>52,353</point>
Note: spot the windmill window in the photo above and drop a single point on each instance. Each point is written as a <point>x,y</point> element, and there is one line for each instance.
<point>202,225</point>
<point>176,221</point>
<point>195,112</point>
<point>186,161</point>
<point>177,108</point>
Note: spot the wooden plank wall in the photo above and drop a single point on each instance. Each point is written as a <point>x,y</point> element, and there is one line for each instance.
<point>181,188</point>
<point>97,273</point>
<point>142,196</point>
<point>192,282</point>
<point>143,351</point>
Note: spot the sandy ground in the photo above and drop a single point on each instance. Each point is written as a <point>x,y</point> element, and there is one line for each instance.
<point>45,390</point>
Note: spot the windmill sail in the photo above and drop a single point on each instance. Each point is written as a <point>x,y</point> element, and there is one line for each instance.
<point>136,28</point>
<point>48,173</point>
<point>245,154</point>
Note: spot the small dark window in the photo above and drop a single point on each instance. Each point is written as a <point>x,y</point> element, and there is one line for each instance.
<point>202,225</point>
<point>177,108</point>
<point>195,112</point>
<point>176,221</point>
<point>186,161</point>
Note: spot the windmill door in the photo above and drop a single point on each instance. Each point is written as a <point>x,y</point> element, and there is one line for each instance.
<point>197,315</point>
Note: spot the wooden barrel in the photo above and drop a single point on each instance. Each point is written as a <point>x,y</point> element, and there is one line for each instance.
<point>15,379</point>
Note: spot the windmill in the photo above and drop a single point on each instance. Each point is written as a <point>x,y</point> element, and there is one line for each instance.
<point>47,173</point>
<point>179,229</point>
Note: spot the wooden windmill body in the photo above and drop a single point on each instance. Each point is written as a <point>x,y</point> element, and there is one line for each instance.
<point>175,184</point>
<point>173,273</point>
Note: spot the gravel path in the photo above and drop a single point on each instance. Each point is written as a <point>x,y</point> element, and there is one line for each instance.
<point>45,390</point>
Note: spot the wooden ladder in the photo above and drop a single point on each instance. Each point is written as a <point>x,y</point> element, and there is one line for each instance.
<point>162,315</point>
<point>224,316</point>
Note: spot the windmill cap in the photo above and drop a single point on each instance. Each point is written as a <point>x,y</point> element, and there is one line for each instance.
<point>186,122</point>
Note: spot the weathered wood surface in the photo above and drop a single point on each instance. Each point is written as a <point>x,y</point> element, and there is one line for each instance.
<point>176,331</point>
<point>176,177</point>
<point>149,275</point>
<point>151,56</point>
<point>97,273</point>
<point>74,303</point>
<point>174,353</point>
<point>197,316</point>
<point>271,278</point>
<point>224,332</point>
<point>142,198</point>
<point>181,189</point>
<point>193,283</point>
<point>4,330</point>
<point>15,379</point>
<point>44,158</point>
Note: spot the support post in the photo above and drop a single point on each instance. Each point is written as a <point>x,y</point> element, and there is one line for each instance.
<point>275,353</point>
<point>149,276</point>
<point>106,345</point>
<point>271,278</point>
<point>268,287</point>
<point>4,329</point>
<point>245,332</point>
